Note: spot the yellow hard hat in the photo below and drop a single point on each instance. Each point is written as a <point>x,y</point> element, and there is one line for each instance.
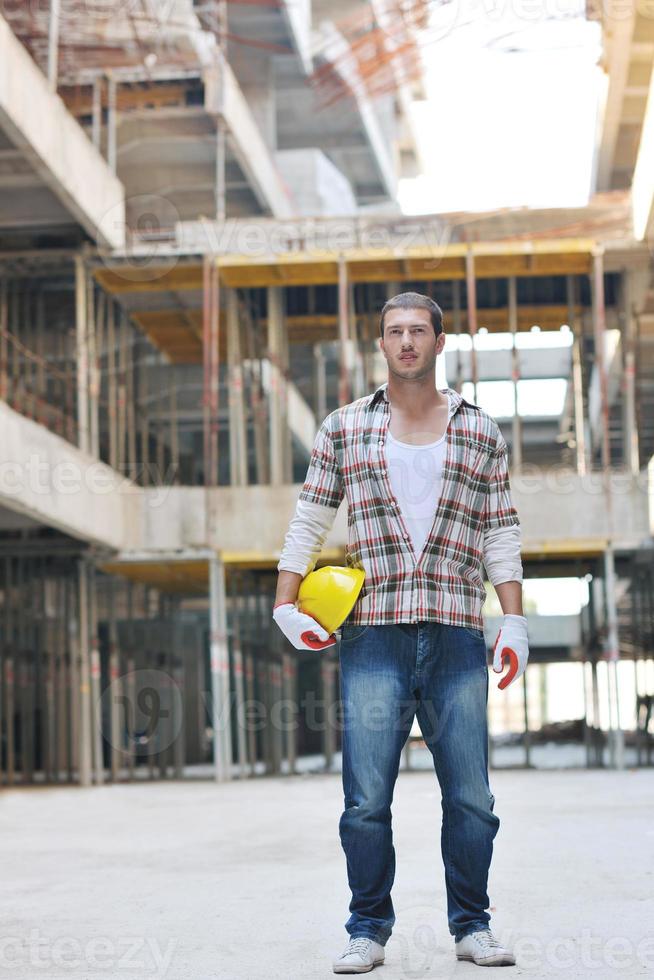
<point>329,593</point>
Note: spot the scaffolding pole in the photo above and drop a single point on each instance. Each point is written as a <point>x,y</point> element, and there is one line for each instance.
<point>611,638</point>
<point>471,290</point>
<point>219,658</point>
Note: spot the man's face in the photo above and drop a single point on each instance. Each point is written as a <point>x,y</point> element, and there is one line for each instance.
<point>410,332</point>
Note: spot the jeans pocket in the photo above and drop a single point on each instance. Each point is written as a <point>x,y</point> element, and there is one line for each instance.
<point>351,632</point>
<point>478,634</point>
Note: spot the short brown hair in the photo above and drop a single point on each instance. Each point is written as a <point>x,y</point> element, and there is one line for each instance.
<point>413,301</point>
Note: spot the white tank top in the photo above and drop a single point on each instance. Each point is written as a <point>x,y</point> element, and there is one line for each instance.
<point>415,474</point>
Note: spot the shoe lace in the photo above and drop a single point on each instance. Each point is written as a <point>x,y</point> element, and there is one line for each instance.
<point>359,944</point>
<point>487,940</point>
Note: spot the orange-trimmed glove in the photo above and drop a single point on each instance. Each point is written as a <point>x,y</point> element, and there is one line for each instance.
<point>302,630</point>
<point>512,647</point>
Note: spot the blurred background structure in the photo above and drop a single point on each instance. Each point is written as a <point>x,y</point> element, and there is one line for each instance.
<point>199,223</point>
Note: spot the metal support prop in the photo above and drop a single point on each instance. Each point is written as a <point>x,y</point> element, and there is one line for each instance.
<point>629,339</point>
<point>612,651</point>
<point>471,290</point>
<point>84,676</point>
<point>344,382</point>
<point>516,448</point>
<point>238,447</point>
<point>219,658</point>
<point>83,438</point>
<point>577,378</point>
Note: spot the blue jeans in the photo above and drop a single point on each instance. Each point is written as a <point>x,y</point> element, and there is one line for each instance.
<point>388,674</point>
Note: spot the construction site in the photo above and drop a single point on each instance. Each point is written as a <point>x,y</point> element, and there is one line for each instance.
<point>199,225</point>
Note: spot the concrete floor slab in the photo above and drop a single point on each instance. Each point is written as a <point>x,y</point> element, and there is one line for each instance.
<point>246,881</point>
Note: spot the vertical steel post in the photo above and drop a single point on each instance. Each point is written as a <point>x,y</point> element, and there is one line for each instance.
<point>471,290</point>
<point>456,316</point>
<point>577,377</point>
<point>237,424</point>
<point>516,448</point>
<point>629,340</point>
<point>53,44</point>
<point>345,360</point>
<point>219,658</point>
<point>611,639</point>
<point>83,439</point>
<point>215,373</point>
<point>84,677</point>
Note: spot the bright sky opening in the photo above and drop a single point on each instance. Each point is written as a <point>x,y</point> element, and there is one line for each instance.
<point>509,119</point>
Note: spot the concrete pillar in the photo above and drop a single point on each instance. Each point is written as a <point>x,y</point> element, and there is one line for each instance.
<point>516,448</point>
<point>219,657</point>
<point>238,449</point>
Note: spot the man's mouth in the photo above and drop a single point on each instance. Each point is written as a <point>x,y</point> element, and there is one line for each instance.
<point>408,357</point>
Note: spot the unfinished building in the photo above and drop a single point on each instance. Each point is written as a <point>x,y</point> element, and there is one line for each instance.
<point>198,226</point>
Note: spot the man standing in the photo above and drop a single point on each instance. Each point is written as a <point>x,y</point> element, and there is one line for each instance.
<point>425,476</point>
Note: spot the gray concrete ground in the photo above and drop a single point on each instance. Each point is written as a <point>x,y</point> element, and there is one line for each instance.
<point>247,881</point>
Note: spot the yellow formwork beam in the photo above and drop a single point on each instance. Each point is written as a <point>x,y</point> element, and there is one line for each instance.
<point>565,256</point>
<point>191,576</point>
<point>540,257</point>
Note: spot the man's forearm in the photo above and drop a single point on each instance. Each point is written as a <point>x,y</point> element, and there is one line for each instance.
<point>510,596</point>
<point>288,584</point>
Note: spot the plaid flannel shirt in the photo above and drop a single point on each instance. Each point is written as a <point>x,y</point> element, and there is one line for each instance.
<point>444,583</point>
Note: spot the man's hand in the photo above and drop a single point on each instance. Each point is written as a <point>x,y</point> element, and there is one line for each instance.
<point>302,630</point>
<point>512,646</point>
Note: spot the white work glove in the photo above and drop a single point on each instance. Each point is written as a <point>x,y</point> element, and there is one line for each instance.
<point>302,630</point>
<point>511,645</point>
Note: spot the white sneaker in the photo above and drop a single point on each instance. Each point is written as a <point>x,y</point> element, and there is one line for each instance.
<point>483,949</point>
<point>361,955</point>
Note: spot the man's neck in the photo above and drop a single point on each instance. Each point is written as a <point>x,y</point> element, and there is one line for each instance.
<point>417,397</point>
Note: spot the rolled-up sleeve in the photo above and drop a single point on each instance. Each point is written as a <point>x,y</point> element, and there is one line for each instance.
<point>502,558</point>
<point>323,483</point>
<point>499,510</point>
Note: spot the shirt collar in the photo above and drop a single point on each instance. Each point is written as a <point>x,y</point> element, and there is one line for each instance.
<point>381,395</point>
